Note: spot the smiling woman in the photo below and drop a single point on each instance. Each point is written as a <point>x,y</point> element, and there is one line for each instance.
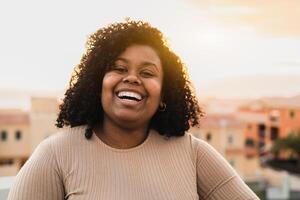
<point>128,106</point>
<point>131,89</point>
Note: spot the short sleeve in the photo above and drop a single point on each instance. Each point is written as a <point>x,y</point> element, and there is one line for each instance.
<point>39,178</point>
<point>216,179</point>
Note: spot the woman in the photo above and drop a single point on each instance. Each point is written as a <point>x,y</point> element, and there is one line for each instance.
<point>129,106</point>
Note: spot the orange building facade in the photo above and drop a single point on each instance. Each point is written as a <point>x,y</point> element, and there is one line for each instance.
<point>267,122</point>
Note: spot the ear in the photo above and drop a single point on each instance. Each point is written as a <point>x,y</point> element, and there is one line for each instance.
<point>162,106</point>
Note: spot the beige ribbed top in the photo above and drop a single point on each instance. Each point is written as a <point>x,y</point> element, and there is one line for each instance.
<point>68,166</point>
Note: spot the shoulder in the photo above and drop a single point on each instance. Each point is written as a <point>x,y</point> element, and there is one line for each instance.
<point>199,151</point>
<point>65,137</point>
<point>187,140</point>
<point>47,155</point>
<point>61,143</point>
<point>184,140</point>
<point>60,147</point>
<point>188,143</point>
<point>204,152</point>
<point>199,145</point>
<point>209,160</point>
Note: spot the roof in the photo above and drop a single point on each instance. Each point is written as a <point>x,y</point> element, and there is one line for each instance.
<point>221,121</point>
<point>276,102</point>
<point>13,116</point>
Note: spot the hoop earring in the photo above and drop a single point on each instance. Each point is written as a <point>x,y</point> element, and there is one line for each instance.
<point>162,107</point>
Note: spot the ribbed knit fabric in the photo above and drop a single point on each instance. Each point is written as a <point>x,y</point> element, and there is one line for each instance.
<point>68,166</point>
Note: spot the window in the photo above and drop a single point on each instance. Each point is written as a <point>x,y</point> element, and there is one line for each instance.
<point>261,144</point>
<point>249,127</point>
<point>3,135</point>
<point>230,139</point>
<point>249,142</point>
<point>292,114</point>
<point>6,162</point>
<point>274,119</point>
<point>18,135</point>
<point>208,137</point>
<point>261,130</point>
<point>274,133</point>
<point>274,115</point>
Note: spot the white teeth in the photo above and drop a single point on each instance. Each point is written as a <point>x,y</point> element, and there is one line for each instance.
<point>130,94</point>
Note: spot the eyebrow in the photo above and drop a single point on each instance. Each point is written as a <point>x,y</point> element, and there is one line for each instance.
<point>144,64</point>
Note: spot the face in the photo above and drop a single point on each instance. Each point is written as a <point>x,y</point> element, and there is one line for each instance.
<point>131,90</point>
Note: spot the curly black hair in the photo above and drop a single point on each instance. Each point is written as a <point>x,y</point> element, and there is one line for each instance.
<point>82,102</point>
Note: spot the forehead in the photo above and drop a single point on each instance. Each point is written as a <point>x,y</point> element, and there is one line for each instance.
<point>136,53</point>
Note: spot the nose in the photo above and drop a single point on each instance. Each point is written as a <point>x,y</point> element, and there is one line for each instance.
<point>132,79</point>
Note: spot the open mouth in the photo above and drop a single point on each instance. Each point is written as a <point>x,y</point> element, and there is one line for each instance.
<point>128,95</point>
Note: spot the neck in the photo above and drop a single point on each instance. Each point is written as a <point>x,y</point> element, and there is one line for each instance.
<point>121,137</point>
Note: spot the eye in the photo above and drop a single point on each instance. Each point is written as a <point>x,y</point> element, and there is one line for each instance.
<point>147,73</point>
<point>119,69</point>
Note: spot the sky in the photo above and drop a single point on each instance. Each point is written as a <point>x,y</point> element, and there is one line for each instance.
<point>227,45</point>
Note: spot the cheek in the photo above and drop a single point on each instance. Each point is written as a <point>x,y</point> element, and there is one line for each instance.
<point>107,87</point>
<point>109,81</point>
<point>155,89</point>
<point>105,84</point>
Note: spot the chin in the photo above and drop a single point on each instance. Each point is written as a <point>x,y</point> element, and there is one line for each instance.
<point>129,118</point>
<point>132,119</point>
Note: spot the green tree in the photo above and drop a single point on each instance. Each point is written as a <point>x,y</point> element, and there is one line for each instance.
<point>291,143</point>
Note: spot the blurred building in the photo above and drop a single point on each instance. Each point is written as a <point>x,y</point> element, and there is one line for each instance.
<point>268,120</point>
<point>226,133</point>
<point>243,130</point>
<point>21,132</point>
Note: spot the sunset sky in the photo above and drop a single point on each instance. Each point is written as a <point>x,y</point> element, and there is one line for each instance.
<point>229,43</point>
